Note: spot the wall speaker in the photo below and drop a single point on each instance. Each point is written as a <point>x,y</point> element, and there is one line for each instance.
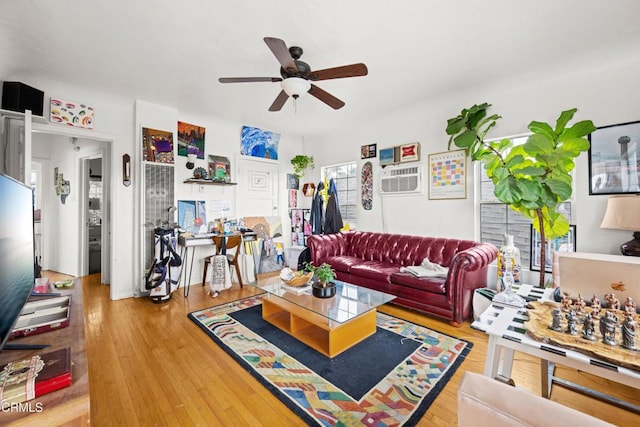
<point>17,96</point>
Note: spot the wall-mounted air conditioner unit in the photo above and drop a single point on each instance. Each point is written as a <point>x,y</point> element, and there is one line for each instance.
<point>401,180</point>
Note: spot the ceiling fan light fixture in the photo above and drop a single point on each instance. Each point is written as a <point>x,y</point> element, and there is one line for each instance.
<point>295,86</point>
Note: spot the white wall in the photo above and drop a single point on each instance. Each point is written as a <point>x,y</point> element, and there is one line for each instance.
<point>604,89</point>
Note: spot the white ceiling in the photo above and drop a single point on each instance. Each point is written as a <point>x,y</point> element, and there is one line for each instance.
<point>172,52</point>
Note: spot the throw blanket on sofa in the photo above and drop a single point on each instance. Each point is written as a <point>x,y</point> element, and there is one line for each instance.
<point>426,269</point>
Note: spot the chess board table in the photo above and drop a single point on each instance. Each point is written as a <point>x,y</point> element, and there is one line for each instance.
<point>505,327</point>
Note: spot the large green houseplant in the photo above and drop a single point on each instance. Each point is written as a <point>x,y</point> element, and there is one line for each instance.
<point>534,178</point>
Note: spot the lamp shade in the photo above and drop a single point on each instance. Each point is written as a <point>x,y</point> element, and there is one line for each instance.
<point>295,86</point>
<point>623,213</point>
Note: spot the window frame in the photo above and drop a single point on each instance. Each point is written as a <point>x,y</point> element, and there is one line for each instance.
<point>522,236</point>
<point>343,194</point>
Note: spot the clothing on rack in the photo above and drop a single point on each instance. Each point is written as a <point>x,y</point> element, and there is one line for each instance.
<point>333,219</point>
<point>316,218</point>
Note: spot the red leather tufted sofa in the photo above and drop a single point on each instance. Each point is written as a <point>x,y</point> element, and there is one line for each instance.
<point>373,260</point>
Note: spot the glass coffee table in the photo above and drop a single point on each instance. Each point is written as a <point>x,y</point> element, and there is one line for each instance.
<point>328,325</point>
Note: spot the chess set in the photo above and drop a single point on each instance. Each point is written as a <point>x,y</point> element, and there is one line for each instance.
<point>604,330</point>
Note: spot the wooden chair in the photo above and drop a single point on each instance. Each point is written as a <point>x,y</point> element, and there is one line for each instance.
<point>231,242</point>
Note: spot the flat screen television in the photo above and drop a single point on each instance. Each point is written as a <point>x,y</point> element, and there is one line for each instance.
<point>17,274</point>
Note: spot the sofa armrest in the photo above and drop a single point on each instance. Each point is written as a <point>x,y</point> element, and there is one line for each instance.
<point>483,401</point>
<point>323,246</point>
<point>468,271</point>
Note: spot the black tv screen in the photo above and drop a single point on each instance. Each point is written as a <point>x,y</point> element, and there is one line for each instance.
<point>17,274</point>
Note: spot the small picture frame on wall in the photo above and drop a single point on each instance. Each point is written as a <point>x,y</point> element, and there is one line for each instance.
<point>613,159</point>
<point>293,182</point>
<point>566,243</point>
<point>368,151</point>
<point>410,152</point>
<point>387,156</point>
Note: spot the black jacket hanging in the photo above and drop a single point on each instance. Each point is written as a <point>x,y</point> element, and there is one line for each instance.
<point>333,218</point>
<point>316,218</point>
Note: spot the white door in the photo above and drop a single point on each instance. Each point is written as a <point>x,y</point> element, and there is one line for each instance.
<point>257,193</point>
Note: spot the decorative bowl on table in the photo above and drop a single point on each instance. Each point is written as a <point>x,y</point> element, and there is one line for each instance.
<point>296,279</point>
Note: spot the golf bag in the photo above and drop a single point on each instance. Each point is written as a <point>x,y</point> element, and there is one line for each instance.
<point>164,275</point>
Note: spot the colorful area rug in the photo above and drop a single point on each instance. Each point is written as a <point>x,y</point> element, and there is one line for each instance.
<point>391,378</point>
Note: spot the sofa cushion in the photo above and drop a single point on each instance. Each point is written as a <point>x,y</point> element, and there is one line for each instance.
<point>435,285</point>
<point>375,270</point>
<point>343,262</point>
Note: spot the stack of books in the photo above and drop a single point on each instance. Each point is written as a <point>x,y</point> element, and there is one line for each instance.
<point>27,379</point>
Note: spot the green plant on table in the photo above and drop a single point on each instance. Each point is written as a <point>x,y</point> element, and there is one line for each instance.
<point>323,272</point>
<point>300,163</point>
<point>534,178</point>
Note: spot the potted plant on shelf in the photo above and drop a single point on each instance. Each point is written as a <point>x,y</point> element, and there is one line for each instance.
<point>323,287</point>
<point>532,179</point>
<point>300,163</point>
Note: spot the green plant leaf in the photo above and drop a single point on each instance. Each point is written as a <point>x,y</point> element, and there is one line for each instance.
<point>465,139</point>
<point>455,125</point>
<point>559,187</point>
<point>507,190</point>
<point>542,129</point>
<point>529,170</point>
<point>564,118</point>
<point>573,146</point>
<point>538,143</point>
<point>578,130</point>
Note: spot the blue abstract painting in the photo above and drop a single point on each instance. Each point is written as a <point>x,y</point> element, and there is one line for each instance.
<point>256,142</point>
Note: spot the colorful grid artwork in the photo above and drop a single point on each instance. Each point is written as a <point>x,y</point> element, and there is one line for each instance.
<point>447,173</point>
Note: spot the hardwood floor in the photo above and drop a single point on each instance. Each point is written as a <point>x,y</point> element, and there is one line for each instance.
<point>149,365</point>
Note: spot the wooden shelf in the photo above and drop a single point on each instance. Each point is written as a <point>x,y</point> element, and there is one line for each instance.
<point>69,405</point>
<point>207,182</point>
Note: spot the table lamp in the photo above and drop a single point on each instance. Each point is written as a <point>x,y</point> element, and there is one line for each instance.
<point>623,213</point>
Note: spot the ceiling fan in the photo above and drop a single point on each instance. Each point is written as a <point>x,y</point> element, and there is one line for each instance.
<point>297,76</point>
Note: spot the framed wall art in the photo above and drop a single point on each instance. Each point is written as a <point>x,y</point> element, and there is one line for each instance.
<point>190,140</point>
<point>157,146</point>
<point>566,243</point>
<point>387,156</point>
<point>448,175</point>
<point>410,152</point>
<point>368,151</point>
<point>614,159</point>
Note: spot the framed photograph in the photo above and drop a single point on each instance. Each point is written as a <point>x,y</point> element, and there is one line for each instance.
<point>448,175</point>
<point>387,156</point>
<point>410,152</point>
<point>368,151</point>
<point>614,159</point>
<point>192,216</point>
<point>566,243</point>
<point>293,182</point>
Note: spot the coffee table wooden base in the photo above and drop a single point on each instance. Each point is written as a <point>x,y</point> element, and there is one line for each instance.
<point>328,337</point>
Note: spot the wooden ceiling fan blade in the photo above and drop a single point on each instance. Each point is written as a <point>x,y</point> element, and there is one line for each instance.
<point>353,70</point>
<point>248,79</point>
<point>326,97</point>
<point>281,52</point>
<point>279,101</point>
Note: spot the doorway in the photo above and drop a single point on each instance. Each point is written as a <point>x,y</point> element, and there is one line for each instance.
<point>66,232</point>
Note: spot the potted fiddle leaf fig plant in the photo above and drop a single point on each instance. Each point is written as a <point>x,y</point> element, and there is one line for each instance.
<point>324,287</point>
<point>532,179</point>
<point>300,163</point>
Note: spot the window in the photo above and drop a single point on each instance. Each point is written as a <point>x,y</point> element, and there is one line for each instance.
<point>345,178</point>
<point>498,219</point>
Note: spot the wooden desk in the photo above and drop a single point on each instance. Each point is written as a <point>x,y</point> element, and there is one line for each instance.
<point>66,406</point>
<point>186,242</point>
